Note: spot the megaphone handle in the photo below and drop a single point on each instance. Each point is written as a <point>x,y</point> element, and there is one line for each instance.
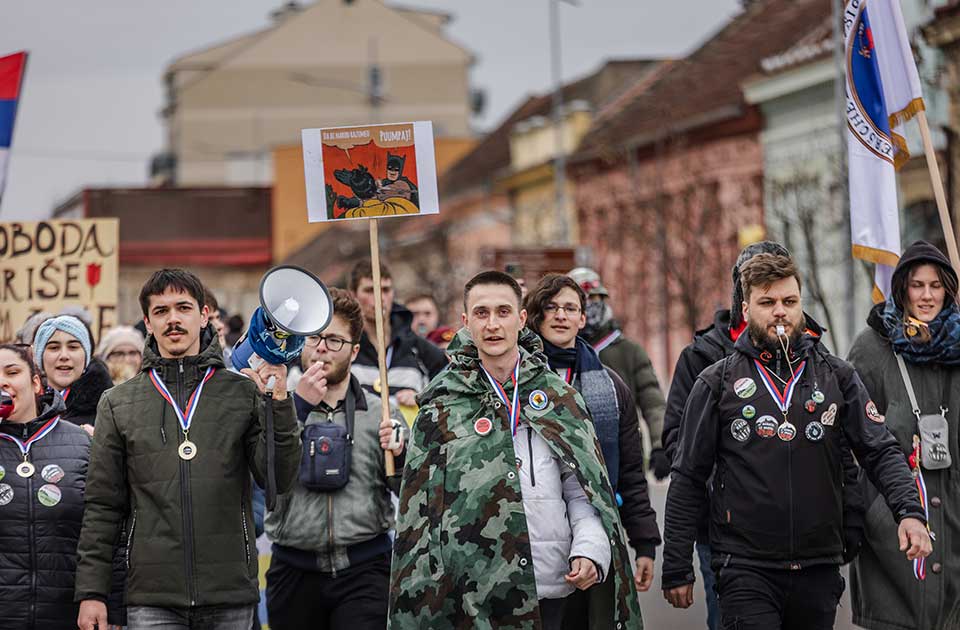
<point>271,498</point>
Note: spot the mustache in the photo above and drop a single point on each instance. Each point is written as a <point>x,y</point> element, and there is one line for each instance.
<point>174,329</point>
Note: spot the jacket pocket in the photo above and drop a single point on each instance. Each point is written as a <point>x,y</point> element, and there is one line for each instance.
<point>129,550</point>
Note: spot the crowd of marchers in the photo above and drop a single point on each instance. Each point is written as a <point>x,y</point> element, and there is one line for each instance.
<point>131,466</point>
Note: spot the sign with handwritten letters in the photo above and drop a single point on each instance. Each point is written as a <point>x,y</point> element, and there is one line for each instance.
<point>47,265</point>
<point>370,172</point>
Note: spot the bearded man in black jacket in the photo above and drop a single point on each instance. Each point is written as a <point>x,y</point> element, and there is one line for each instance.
<point>776,512</point>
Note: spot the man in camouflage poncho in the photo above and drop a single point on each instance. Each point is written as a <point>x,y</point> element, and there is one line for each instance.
<point>462,557</point>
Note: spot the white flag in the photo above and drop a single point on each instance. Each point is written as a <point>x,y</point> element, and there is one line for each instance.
<point>883,93</point>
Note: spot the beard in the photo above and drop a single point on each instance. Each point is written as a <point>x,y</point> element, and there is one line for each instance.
<point>771,343</point>
<point>339,371</point>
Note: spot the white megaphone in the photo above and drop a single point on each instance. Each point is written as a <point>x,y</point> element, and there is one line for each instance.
<point>293,304</point>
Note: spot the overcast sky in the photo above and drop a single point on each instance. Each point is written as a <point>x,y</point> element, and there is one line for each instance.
<point>89,108</point>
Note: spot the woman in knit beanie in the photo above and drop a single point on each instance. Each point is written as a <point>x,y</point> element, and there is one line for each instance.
<point>121,348</point>
<point>63,350</point>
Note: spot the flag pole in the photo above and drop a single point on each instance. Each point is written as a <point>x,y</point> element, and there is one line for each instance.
<point>381,346</point>
<point>934,168</point>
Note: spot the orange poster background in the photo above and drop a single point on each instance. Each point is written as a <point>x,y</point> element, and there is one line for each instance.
<point>371,156</point>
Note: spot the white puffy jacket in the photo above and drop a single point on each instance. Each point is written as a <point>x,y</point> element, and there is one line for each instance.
<point>562,523</point>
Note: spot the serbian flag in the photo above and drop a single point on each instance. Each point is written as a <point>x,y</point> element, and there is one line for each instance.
<point>883,93</point>
<point>12,68</point>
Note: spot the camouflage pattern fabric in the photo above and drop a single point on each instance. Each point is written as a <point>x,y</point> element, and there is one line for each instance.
<point>462,553</point>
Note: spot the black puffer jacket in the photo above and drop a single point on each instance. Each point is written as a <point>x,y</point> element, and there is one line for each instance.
<point>39,543</point>
<point>85,393</point>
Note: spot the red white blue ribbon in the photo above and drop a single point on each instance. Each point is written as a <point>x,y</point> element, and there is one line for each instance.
<point>920,564</point>
<point>782,399</point>
<point>606,341</point>
<point>184,418</point>
<point>513,408</point>
<point>36,437</point>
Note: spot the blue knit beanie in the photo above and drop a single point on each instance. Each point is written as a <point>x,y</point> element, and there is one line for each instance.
<point>68,324</point>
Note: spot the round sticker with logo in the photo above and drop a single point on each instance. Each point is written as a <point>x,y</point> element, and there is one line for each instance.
<point>324,445</point>
<point>6,494</point>
<point>814,431</point>
<point>817,396</point>
<point>786,431</point>
<point>483,426</point>
<point>49,495</point>
<point>810,406</point>
<point>745,387</point>
<point>749,411</point>
<point>829,416</point>
<point>52,473</point>
<point>766,426</point>
<point>740,430</point>
<point>538,399</point>
<point>873,413</point>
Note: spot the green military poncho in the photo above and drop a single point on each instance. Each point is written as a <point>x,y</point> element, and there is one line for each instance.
<point>462,557</point>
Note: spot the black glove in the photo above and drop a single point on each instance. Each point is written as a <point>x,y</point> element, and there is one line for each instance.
<point>659,464</point>
<point>852,539</point>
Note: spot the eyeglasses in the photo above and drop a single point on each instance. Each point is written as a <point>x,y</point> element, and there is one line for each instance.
<point>334,344</point>
<point>569,309</point>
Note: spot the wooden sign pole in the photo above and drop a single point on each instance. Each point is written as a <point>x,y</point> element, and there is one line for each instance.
<point>381,344</point>
<point>938,192</point>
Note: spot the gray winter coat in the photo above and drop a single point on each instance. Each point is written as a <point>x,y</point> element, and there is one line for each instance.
<point>328,524</point>
<point>884,592</point>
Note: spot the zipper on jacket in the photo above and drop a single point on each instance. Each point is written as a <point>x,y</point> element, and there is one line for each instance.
<point>533,477</point>
<point>790,493</point>
<point>333,557</point>
<point>186,501</point>
<point>133,526</point>
<point>33,553</point>
<point>246,535</point>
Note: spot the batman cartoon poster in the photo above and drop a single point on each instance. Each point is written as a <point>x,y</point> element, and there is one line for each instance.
<point>371,171</point>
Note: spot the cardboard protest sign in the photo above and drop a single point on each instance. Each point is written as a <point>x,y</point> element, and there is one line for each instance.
<point>370,172</point>
<point>46,265</point>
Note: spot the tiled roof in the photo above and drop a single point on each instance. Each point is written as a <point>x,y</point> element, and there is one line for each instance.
<point>492,154</point>
<point>708,81</point>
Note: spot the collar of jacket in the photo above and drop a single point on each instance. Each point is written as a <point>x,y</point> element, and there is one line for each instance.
<point>211,355</point>
<point>85,391</point>
<point>356,390</point>
<point>463,375</point>
<point>19,430</point>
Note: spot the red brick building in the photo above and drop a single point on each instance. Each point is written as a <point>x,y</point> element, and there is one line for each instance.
<point>669,180</point>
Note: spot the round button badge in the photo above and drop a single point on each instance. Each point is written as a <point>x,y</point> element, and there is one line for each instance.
<point>49,495</point>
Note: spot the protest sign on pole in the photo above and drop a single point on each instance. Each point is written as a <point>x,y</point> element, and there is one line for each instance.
<point>47,265</point>
<point>371,172</point>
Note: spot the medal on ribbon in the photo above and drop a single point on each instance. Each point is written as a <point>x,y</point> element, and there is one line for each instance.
<point>187,450</point>
<point>513,407</point>
<point>26,469</point>
<point>785,431</point>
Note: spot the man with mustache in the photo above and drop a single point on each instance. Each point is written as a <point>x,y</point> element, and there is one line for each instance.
<point>771,419</point>
<point>174,449</point>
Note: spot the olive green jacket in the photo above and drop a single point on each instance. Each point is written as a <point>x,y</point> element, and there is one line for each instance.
<point>190,537</point>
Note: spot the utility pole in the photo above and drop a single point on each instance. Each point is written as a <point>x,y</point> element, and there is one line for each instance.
<point>559,157</point>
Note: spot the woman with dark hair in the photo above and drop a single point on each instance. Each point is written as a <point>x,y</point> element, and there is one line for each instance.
<point>43,466</point>
<point>555,311</point>
<point>909,359</point>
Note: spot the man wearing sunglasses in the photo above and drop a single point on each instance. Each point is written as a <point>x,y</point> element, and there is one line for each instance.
<point>331,553</point>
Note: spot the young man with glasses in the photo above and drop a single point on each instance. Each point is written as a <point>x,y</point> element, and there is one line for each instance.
<point>555,311</point>
<point>331,552</point>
